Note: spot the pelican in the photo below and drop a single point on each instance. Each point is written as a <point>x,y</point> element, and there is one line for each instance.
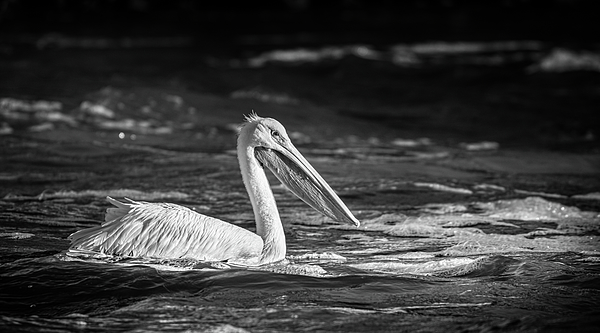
<point>169,231</point>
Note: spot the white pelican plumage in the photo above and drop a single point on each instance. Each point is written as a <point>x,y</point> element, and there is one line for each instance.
<point>169,231</point>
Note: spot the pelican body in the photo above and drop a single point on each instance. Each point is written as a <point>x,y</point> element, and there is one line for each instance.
<point>169,231</point>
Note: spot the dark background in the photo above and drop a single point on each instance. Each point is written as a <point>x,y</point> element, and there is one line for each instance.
<point>190,45</point>
<point>305,21</point>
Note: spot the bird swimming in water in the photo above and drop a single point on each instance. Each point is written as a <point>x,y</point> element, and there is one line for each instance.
<point>169,231</point>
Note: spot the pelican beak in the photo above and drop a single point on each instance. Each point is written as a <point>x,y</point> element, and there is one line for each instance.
<point>294,171</point>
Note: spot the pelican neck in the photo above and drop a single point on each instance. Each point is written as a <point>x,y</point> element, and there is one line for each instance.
<point>268,221</point>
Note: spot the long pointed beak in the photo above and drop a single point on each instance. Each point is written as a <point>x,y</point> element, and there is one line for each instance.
<point>294,171</point>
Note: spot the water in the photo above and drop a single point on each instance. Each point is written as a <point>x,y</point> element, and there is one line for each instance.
<point>460,232</point>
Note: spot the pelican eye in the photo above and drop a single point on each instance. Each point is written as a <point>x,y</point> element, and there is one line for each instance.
<point>276,134</point>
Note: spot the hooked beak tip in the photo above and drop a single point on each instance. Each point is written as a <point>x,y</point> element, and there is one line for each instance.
<point>351,220</point>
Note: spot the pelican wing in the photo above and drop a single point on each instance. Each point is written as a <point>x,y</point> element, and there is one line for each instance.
<point>161,230</point>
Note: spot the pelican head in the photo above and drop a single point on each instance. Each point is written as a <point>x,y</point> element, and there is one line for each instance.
<point>267,141</point>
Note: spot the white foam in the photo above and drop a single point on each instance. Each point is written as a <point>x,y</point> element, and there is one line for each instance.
<point>563,60</point>
<point>423,268</point>
<point>588,196</point>
<point>444,188</point>
<point>529,209</point>
<point>320,256</point>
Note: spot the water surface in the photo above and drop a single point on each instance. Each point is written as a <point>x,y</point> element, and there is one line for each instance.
<point>484,230</point>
